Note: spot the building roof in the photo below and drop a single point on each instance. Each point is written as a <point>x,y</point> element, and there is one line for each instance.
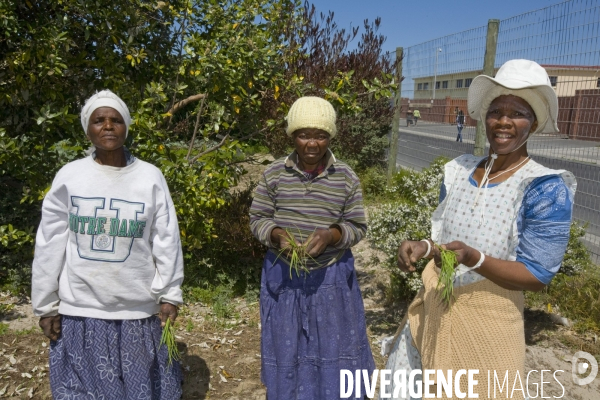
<point>574,67</point>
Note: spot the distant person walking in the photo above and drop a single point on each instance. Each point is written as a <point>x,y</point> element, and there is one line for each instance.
<point>460,121</point>
<point>409,117</point>
<point>416,116</point>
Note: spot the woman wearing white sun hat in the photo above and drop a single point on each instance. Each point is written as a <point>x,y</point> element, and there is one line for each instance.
<point>507,218</point>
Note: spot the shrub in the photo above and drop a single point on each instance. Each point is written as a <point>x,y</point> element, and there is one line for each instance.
<point>420,188</point>
<point>233,256</point>
<point>575,290</point>
<point>406,218</point>
<point>576,297</point>
<point>577,258</point>
<point>362,138</point>
<point>373,182</point>
<point>389,225</point>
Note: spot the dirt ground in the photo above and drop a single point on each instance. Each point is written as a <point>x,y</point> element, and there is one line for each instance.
<point>221,358</point>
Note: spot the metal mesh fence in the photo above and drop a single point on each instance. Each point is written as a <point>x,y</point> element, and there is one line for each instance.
<point>565,40</point>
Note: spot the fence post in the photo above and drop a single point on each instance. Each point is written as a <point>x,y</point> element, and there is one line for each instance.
<point>393,149</point>
<point>488,69</point>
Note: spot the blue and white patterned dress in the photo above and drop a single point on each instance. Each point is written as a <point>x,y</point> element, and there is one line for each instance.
<point>98,359</point>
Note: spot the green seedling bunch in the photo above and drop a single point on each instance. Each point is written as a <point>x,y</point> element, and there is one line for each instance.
<point>297,253</point>
<point>446,279</point>
<point>168,339</point>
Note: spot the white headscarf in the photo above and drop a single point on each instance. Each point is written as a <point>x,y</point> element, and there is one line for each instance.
<point>104,98</point>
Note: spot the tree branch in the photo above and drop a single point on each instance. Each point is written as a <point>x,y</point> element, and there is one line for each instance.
<point>195,129</point>
<point>210,149</point>
<point>223,142</point>
<point>185,102</point>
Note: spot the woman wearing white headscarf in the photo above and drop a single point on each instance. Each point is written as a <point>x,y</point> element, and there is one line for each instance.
<point>107,259</point>
<point>507,218</point>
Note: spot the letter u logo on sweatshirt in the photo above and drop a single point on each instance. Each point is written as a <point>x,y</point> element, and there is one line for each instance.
<point>105,234</point>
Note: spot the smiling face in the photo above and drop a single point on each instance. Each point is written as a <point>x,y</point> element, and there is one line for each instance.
<point>311,145</point>
<point>107,129</point>
<point>508,123</point>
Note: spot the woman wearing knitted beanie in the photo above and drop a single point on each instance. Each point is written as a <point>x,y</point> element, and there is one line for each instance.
<point>507,218</point>
<point>313,322</point>
<point>107,259</point>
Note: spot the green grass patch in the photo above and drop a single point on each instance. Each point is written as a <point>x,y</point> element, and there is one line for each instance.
<point>218,297</point>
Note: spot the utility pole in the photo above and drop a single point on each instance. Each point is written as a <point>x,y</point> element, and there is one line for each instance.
<point>488,69</point>
<point>393,149</point>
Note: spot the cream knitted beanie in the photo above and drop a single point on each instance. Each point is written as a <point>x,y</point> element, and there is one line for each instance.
<point>311,112</point>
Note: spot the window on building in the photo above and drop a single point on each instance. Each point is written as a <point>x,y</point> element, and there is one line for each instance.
<point>553,80</point>
<point>598,83</point>
<point>420,86</point>
<point>445,84</point>
<point>426,86</point>
<point>468,82</point>
<point>459,83</point>
<point>437,85</point>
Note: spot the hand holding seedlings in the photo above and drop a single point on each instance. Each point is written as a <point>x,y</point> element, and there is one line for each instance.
<point>410,252</point>
<point>283,239</point>
<point>167,311</point>
<point>453,253</point>
<point>446,280</point>
<point>320,239</point>
<point>167,315</point>
<point>294,251</point>
<point>298,253</point>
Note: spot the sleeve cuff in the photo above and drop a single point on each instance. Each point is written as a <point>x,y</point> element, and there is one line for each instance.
<point>173,296</point>
<point>541,274</point>
<point>269,231</point>
<point>346,233</point>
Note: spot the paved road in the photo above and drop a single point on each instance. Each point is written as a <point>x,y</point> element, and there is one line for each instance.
<point>419,146</point>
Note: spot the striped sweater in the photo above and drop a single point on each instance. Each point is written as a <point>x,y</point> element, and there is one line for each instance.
<point>286,198</point>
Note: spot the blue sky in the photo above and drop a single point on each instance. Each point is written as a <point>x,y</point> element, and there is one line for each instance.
<point>406,23</point>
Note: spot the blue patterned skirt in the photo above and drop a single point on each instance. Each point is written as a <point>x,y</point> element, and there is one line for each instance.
<point>112,359</point>
<point>312,327</point>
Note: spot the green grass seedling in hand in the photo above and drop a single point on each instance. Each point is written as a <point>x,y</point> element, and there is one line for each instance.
<point>297,253</point>
<point>168,339</point>
<point>446,279</point>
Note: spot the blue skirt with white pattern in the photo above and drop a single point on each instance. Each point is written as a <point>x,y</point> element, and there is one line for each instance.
<point>112,359</point>
<point>313,326</point>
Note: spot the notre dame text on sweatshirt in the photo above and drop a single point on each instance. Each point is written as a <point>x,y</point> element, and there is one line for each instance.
<point>108,244</point>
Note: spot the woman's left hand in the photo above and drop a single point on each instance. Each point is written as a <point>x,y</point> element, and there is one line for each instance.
<point>167,310</point>
<point>320,239</point>
<point>465,255</point>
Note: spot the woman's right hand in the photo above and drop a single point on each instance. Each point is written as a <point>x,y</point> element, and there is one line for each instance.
<point>411,251</point>
<point>281,239</point>
<point>51,326</point>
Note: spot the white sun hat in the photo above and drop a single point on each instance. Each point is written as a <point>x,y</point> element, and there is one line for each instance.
<point>522,78</point>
